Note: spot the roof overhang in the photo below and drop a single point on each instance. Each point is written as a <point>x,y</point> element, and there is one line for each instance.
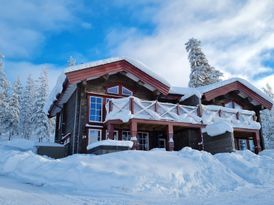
<point>243,88</point>
<point>84,72</point>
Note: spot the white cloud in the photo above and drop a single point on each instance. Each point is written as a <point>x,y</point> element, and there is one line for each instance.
<point>23,69</point>
<point>24,24</point>
<point>235,35</point>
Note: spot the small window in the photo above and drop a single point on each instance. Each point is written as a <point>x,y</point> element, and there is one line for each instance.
<point>229,104</point>
<point>113,90</point>
<point>126,91</point>
<point>94,135</point>
<point>237,106</point>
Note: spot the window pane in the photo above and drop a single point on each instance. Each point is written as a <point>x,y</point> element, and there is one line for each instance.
<point>229,105</point>
<point>126,91</point>
<point>95,109</point>
<point>94,135</point>
<point>113,90</point>
<point>237,106</point>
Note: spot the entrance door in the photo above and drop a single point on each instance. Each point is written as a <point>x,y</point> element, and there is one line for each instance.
<point>143,139</point>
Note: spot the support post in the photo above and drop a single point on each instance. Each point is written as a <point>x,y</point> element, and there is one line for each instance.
<point>257,142</point>
<point>201,143</point>
<point>170,137</point>
<point>133,134</point>
<point>110,128</point>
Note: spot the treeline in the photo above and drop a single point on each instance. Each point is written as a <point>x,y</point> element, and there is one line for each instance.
<point>21,108</point>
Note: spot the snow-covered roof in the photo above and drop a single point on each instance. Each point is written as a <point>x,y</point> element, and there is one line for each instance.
<point>199,91</point>
<point>185,91</point>
<point>207,88</point>
<point>134,62</point>
<point>61,79</point>
<point>119,143</point>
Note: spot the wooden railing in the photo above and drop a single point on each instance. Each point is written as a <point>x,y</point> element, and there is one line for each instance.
<point>132,107</point>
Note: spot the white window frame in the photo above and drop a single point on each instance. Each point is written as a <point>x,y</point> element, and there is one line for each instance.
<point>92,129</point>
<point>146,146</point>
<point>102,105</point>
<point>116,93</point>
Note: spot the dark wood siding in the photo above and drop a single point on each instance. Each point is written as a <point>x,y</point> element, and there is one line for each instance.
<point>220,143</point>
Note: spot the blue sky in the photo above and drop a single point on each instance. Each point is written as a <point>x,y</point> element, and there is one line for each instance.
<point>237,36</point>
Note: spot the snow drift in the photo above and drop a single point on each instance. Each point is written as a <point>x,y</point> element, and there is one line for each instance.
<point>174,174</point>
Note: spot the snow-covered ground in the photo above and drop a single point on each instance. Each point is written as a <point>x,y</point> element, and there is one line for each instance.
<point>136,177</point>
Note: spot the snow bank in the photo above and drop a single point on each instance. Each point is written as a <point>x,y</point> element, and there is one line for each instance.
<point>154,173</point>
<point>18,144</point>
<point>110,143</point>
<point>218,128</point>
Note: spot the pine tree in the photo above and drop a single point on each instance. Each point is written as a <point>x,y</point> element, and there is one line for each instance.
<point>201,72</point>
<point>267,121</point>
<point>4,98</point>
<point>14,111</point>
<point>40,119</point>
<point>27,108</point>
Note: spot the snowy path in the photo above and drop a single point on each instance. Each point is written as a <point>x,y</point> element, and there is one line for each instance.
<point>13,192</point>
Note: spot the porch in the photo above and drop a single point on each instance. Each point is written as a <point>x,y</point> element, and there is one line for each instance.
<point>153,124</point>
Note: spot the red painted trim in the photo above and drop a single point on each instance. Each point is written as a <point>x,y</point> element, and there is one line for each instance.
<point>236,86</point>
<point>114,67</point>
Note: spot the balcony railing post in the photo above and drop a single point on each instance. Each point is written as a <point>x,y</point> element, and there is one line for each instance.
<point>131,105</point>
<point>110,106</point>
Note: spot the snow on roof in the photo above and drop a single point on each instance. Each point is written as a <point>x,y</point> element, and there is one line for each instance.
<point>120,143</point>
<point>134,62</point>
<point>59,84</point>
<point>185,91</point>
<point>204,89</point>
<point>199,91</point>
<point>55,91</point>
<point>218,128</point>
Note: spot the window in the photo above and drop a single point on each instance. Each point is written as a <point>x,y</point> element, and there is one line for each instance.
<point>229,104</point>
<point>94,135</point>
<point>113,90</point>
<point>161,143</point>
<point>126,136</point>
<point>126,91</point>
<point>143,140</point>
<point>119,90</point>
<point>237,106</point>
<point>233,104</point>
<point>96,105</point>
<point>242,144</point>
<point>115,135</point>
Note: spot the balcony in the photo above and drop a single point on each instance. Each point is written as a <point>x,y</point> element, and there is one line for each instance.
<point>125,109</point>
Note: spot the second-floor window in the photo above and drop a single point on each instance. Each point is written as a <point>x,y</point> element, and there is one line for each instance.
<point>119,90</point>
<point>232,104</point>
<point>96,109</point>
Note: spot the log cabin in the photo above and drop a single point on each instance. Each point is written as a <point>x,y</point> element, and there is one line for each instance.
<point>121,99</point>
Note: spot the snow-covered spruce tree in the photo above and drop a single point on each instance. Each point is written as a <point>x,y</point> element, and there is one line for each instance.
<point>201,72</point>
<point>267,121</point>
<point>40,119</point>
<point>14,111</point>
<point>27,108</point>
<point>4,98</point>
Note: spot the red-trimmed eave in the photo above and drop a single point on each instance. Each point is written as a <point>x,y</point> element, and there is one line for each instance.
<point>237,86</point>
<point>114,67</point>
